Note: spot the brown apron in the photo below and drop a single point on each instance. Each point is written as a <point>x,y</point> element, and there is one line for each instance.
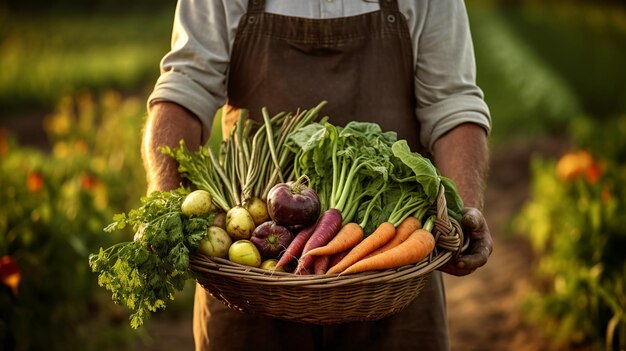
<point>363,66</point>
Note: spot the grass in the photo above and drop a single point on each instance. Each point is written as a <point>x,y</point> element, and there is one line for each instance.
<point>543,65</point>
<point>582,43</point>
<point>44,58</point>
<point>525,95</point>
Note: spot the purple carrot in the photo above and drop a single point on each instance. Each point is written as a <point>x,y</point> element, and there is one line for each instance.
<point>337,257</point>
<point>297,245</point>
<point>327,227</point>
<point>320,265</point>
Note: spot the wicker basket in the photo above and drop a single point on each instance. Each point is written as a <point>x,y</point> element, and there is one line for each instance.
<point>328,299</point>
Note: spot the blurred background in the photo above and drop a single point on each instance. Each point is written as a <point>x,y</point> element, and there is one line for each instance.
<point>74,79</point>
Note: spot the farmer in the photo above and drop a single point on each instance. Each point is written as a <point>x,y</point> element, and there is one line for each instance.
<point>407,65</point>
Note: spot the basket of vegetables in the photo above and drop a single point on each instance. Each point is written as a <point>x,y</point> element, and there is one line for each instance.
<point>348,219</point>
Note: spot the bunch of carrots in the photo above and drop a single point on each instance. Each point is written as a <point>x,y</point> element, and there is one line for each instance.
<point>347,251</point>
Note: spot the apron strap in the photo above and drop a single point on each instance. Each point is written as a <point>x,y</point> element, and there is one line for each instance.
<point>256,6</point>
<point>386,5</point>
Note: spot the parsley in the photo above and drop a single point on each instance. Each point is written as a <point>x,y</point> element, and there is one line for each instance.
<point>145,273</point>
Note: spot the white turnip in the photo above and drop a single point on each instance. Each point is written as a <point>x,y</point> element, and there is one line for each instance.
<point>257,209</point>
<point>244,252</point>
<point>197,203</point>
<point>216,244</point>
<point>239,223</point>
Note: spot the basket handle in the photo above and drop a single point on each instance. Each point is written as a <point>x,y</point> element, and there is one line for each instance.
<point>448,231</point>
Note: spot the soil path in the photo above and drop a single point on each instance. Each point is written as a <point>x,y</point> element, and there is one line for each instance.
<point>483,308</point>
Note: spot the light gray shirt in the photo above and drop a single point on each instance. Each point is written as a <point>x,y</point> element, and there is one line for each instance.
<point>194,72</point>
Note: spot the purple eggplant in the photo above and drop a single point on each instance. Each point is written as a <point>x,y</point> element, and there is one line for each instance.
<point>271,239</point>
<point>293,204</point>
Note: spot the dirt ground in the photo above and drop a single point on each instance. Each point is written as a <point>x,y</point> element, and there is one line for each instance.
<point>483,308</point>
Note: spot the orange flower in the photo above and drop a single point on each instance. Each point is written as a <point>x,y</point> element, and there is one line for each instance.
<point>34,182</point>
<point>594,172</point>
<point>573,164</point>
<point>10,273</point>
<point>88,182</point>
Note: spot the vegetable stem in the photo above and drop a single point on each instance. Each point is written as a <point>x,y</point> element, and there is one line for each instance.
<point>270,142</point>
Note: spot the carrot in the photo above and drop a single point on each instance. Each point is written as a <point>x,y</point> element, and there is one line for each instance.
<point>404,229</point>
<point>383,233</point>
<point>347,237</point>
<point>334,259</point>
<point>327,227</point>
<point>417,246</point>
<point>320,264</point>
<point>296,246</point>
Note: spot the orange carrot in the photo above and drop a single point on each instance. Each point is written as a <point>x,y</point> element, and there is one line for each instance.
<point>378,238</point>
<point>417,246</point>
<point>404,229</point>
<point>349,235</point>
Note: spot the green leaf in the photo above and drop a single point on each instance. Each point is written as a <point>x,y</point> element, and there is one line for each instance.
<point>423,170</point>
<point>195,231</point>
<point>453,200</point>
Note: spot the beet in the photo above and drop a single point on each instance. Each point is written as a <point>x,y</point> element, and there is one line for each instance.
<point>271,239</point>
<point>293,204</point>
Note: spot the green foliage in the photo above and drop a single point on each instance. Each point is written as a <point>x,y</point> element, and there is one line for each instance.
<point>80,6</point>
<point>53,208</point>
<point>525,95</point>
<point>44,58</point>
<point>582,44</point>
<point>576,224</point>
<point>366,174</point>
<point>145,273</point>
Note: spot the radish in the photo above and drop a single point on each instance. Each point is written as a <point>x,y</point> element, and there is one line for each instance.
<point>327,227</point>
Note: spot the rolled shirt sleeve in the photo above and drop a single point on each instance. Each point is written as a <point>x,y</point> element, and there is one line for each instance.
<point>445,75</point>
<point>193,72</point>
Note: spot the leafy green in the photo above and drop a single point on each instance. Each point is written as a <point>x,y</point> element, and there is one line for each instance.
<point>366,174</point>
<point>203,171</point>
<point>145,273</point>
<point>453,199</point>
<point>421,169</point>
<point>345,165</point>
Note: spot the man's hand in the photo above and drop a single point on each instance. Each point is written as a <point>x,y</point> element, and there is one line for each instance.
<point>480,247</point>
<point>462,155</point>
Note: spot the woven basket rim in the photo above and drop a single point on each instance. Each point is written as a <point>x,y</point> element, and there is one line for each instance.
<point>201,264</point>
<point>449,242</point>
<point>388,291</point>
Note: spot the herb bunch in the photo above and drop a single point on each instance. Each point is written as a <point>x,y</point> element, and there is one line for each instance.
<point>146,272</point>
